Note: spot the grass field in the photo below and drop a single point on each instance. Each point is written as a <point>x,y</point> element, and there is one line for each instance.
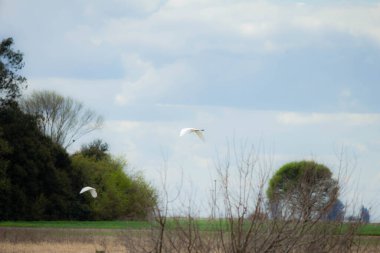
<point>78,224</point>
<point>117,236</point>
<point>370,229</point>
<point>367,229</point>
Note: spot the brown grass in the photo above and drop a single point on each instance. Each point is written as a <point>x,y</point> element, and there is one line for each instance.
<point>51,247</point>
<point>48,240</point>
<point>41,240</point>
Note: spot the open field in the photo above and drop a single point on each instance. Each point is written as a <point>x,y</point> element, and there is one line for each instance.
<point>113,236</point>
<point>49,247</point>
<point>370,229</point>
<point>78,224</point>
<point>203,225</point>
<point>65,240</point>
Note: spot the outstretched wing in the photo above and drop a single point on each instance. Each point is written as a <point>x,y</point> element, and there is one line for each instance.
<point>93,193</point>
<point>186,131</point>
<point>200,134</point>
<point>84,189</point>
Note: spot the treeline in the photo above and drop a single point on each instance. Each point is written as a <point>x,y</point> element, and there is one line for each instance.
<point>39,180</point>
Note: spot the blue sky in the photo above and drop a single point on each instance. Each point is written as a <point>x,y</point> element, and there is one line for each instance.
<point>301,78</point>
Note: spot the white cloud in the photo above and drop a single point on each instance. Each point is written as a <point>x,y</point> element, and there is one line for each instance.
<point>77,87</point>
<point>122,126</point>
<point>156,83</point>
<point>98,8</point>
<point>293,118</point>
<point>354,20</point>
<point>179,26</point>
<point>135,66</point>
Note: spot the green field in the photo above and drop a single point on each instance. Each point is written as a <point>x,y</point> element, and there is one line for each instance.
<point>370,229</point>
<point>202,224</point>
<point>78,224</point>
<point>367,230</point>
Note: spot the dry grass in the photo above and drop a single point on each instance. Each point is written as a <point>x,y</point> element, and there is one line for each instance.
<point>51,247</point>
<point>43,240</point>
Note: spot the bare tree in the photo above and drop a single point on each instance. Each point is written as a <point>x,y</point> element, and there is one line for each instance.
<point>63,119</point>
<point>242,174</point>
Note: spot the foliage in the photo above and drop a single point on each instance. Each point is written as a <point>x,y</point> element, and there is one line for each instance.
<point>39,181</point>
<point>304,189</point>
<point>63,119</point>
<point>10,63</point>
<point>119,195</point>
<point>36,177</point>
<point>96,149</point>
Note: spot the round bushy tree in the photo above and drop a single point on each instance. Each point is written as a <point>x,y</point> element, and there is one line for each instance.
<point>302,189</point>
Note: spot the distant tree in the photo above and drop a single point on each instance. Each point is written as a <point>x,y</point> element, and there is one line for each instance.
<point>63,119</point>
<point>353,218</point>
<point>10,63</point>
<point>364,215</point>
<point>337,211</point>
<point>303,189</point>
<point>96,149</point>
<point>37,181</point>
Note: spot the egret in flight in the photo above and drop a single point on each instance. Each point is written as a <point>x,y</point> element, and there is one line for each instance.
<point>198,132</point>
<point>92,191</point>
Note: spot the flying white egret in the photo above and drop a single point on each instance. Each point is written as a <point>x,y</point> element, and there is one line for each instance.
<point>187,130</point>
<point>92,191</point>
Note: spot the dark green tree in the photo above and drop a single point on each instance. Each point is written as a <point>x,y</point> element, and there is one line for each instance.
<point>303,189</point>
<point>37,181</point>
<point>11,62</point>
<point>96,149</point>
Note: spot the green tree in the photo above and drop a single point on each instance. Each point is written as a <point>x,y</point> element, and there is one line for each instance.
<point>119,195</point>
<point>96,149</point>
<point>303,189</point>
<point>4,180</point>
<point>143,198</point>
<point>37,181</point>
<point>10,81</point>
<point>63,119</point>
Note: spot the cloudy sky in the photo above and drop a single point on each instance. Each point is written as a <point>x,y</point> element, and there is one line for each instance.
<point>299,80</point>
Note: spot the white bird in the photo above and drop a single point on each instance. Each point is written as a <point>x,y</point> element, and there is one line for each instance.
<point>187,130</point>
<point>92,191</point>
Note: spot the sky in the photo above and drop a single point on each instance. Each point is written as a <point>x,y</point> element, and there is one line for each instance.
<point>298,80</point>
